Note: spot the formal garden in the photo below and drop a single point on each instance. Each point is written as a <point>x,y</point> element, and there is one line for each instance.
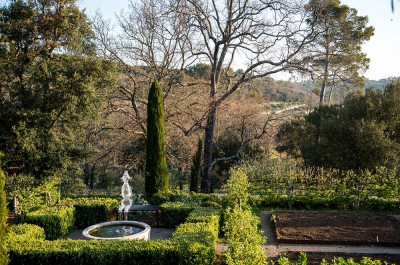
<point>348,217</point>
<point>144,143</point>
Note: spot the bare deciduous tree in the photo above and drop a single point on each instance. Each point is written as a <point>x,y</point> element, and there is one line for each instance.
<point>263,37</point>
<point>160,39</point>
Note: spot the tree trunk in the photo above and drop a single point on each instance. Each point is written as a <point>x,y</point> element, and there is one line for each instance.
<point>326,76</point>
<point>324,83</point>
<point>208,149</point>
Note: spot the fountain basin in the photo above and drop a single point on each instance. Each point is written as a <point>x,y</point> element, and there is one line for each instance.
<point>112,231</point>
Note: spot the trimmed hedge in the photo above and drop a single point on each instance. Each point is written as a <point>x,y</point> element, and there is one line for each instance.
<point>206,215</point>
<point>175,213</point>
<point>90,211</point>
<point>325,201</point>
<point>99,252</point>
<point>199,234</point>
<point>57,221</point>
<point>20,232</point>
<point>180,196</point>
<point>193,243</point>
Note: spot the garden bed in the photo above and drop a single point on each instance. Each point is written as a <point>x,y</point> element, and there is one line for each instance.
<point>344,228</point>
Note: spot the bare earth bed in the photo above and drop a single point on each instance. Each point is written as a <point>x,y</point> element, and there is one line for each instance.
<point>344,228</point>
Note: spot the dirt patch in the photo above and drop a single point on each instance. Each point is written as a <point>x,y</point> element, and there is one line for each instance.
<point>346,228</point>
<point>315,258</point>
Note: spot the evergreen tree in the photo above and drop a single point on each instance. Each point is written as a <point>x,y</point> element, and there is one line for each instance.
<point>3,218</point>
<point>196,167</point>
<point>335,57</point>
<point>156,166</point>
<point>363,133</point>
<point>50,79</point>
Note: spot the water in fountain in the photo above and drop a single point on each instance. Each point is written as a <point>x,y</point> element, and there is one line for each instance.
<point>126,193</point>
<point>115,231</point>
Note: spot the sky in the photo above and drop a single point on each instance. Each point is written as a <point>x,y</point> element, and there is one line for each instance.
<point>383,48</point>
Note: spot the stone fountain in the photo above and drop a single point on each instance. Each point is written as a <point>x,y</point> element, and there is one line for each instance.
<point>117,230</point>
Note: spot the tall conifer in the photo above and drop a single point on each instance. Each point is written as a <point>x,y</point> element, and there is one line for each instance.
<point>196,167</point>
<point>156,165</point>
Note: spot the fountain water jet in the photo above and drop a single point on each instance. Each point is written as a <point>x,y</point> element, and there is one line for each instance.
<point>118,230</point>
<point>126,193</point>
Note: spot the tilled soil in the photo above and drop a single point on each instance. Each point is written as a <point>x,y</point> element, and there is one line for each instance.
<point>346,228</point>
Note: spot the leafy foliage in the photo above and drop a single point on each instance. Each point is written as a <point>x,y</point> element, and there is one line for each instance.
<point>50,79</point>
<point>192,243</point>
<point>156,164</point>
<point>90,211</point>
<point>57,221</point>
<point>361,134</point>
<point>21,232</point>
<point>237,187</point>
<point>243,238</point>
<point>3,218</point>
<point>335,55</point>
<point>32,192</point>
<point>175,213</point>
<point>199,233</point>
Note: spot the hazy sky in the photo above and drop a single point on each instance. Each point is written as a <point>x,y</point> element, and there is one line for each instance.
<point>383,49</point>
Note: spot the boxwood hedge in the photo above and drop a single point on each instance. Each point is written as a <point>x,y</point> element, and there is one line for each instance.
<point>22,232</point>
<point>175,213</point>
<point>57,221</point>
<point>194,242</point>
<point>90,211</point>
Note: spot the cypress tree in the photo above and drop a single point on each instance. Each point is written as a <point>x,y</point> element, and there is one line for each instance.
<point>156,164</point>
<point>3,218</point>
<point>196,167</point>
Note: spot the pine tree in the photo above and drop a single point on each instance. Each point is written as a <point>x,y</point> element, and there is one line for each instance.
<point>335,57</point>
<point>196,167</point>
<point>156,165</point>
<point>3,217</point>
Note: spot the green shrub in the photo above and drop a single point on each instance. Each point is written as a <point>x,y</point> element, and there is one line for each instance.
<point>199,234</point>
<point>322,201</point>
<point>238,187</point>
<point>90,211</point>
<point>160,197</point>
<point>57,221</point>
<point>3,218</point>
<point>70,252</point>
<point>175,213</point>
<point>180,196</point>
<point>206,215</point>
<point>21,232</point>
<point>243,238</point>
<point>192,244</point>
